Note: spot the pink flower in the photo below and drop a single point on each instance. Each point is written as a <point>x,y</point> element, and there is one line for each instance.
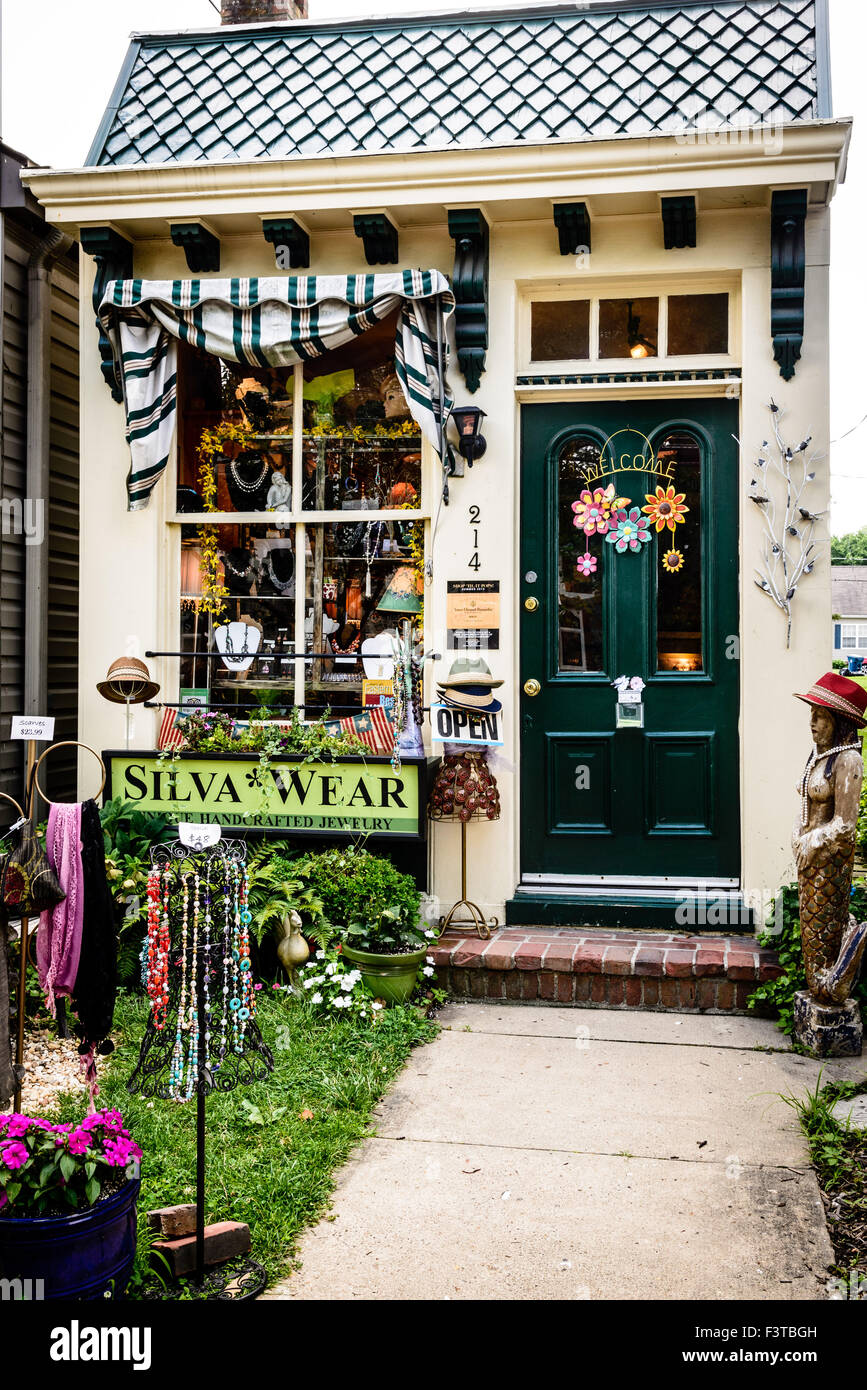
<point>14,1155</point>
<point>586,563</point>
<point>79,1142</point>
<point>18,1125</point>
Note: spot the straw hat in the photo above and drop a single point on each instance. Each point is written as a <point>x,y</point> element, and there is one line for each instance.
<point>467,696</point>
<point>472,671</point>
<point>839,694</point>
<point>127,679</point>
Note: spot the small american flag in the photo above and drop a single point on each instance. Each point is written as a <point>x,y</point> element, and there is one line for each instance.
<point>372,726</point>
<point>170,735</point>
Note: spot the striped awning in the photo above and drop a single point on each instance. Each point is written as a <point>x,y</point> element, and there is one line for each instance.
<point>265,322</point>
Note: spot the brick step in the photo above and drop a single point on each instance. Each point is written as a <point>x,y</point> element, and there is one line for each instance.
<point>606,969</point>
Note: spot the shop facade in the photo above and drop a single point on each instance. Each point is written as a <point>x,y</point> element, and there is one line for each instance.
<point>624,291</point>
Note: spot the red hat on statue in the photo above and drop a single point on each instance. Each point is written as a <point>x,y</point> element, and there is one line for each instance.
<point>839,694</point>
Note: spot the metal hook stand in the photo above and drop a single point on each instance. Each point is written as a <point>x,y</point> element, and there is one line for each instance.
<point>240,1278</point>
<point>476,917</point>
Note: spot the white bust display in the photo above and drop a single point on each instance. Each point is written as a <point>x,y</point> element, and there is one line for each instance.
<point>279,497</point>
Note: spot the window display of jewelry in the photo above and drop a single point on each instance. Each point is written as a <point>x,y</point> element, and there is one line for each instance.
<point>241,570</point>
<point>248,479</point>
<point>202,1033</point>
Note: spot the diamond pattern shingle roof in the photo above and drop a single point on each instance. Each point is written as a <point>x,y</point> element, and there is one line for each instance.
<point>296,90</point>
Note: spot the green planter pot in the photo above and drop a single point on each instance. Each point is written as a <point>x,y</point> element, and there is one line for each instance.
<point>391,978</point>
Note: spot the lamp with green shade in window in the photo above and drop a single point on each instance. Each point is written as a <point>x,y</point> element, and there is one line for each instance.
<point>403,594</point>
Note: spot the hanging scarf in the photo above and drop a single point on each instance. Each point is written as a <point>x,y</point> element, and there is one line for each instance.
<point>273,321</point>
<point>96,986</point>
<point>58,942</point>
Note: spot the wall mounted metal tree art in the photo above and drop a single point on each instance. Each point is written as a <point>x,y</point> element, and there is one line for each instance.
<point>778,481</point>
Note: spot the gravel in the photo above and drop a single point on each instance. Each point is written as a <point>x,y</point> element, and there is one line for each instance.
<point>51,1067</point>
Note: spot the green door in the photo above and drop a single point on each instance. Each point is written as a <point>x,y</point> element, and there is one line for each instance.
<point>602,804</point>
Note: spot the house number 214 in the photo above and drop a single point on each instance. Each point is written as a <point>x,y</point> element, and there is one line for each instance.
<point>475,522</point>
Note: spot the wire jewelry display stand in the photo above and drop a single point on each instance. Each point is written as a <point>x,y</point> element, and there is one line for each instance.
<point>219,1054</point>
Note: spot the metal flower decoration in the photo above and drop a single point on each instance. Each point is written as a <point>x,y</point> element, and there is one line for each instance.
<point>778,480</point>
<point>628,531</point>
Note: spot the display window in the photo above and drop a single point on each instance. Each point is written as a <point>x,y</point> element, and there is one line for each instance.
<point>301,503</point>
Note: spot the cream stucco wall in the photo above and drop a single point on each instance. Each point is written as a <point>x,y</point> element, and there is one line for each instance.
<point>129,562</point>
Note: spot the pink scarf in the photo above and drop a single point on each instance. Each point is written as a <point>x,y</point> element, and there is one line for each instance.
<point>58,943</point>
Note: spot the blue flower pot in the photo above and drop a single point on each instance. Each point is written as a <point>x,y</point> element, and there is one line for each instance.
<point>80,1256</point>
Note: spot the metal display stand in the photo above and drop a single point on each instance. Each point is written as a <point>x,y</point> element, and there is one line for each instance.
<point>243,1277</point>
<point>475,918</point>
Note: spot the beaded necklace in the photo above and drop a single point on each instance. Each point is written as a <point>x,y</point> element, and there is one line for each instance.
<point>206,968</point>
<point>193,1011</point>
<point>814,758</point>
<point>251,486</point>
<point>158,947</point>
<point>176,1070</point>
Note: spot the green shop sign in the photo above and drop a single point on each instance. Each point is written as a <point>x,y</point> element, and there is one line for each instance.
<point>350,796</point>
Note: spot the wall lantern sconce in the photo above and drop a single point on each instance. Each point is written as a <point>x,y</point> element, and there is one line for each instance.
<point>638,345</point>
<point>471,443</point>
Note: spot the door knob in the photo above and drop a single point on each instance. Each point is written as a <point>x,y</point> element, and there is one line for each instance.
<point>531,604</point>
<point>532,687</point>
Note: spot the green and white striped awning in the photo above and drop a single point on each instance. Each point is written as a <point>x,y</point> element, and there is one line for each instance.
<point>273,322</point>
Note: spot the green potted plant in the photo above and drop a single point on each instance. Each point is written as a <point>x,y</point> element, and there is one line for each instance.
<point>375,910</point>
<point>68,1204</point>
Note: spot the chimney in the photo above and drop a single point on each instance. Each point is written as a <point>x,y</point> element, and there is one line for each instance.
<point>257,11</point>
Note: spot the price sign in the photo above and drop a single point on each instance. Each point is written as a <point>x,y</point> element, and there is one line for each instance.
<point>32,726</point>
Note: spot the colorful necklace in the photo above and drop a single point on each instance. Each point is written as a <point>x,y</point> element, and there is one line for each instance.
<point>158,947</point>
<point>176,1070</point>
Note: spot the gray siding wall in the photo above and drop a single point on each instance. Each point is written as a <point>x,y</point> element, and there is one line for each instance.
<point>17,244</point>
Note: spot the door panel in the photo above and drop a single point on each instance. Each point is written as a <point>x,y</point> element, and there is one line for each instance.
<point>660,603</point>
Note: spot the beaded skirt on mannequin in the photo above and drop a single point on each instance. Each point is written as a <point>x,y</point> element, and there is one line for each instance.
<point>464,788</point>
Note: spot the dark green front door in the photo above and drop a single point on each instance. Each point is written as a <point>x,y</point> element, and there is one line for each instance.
<point>609,805</point>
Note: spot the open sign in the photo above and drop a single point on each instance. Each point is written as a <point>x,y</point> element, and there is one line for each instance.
<point>450,725</point>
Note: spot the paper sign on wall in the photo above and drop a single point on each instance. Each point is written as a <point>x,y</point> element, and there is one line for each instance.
<point>35,726</point>
<point>473,614</point>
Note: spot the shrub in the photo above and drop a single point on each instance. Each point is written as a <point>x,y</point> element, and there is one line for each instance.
<point>369,902</point>
<point>46,1167</point>
<point>780,993</point>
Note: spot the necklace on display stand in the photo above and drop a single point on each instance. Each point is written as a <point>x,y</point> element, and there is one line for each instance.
<point>199,971</point>
<point>372,541</point>
<point>281,585</point>
<point>243,489</point>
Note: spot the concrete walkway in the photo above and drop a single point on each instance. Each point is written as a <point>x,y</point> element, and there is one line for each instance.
<point>550,1153</point>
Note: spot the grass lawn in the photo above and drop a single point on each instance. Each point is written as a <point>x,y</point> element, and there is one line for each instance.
<point>265,1164</point>
<point>839,1155</point>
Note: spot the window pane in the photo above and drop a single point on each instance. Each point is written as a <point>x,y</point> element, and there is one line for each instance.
<point>255,631</point>
<point>363,580</point>
<point>246,413</point>
<point>697,323</point>
<point>579,616</point>
<point>362,448</point>
<point>560,330</point>
<point>678,556</point>
<point>628,328</point>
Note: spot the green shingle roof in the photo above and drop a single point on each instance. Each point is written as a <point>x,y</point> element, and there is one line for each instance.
<point>303,89</point>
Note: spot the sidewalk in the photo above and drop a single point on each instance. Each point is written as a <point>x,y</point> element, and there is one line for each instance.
<point>547,1153</point>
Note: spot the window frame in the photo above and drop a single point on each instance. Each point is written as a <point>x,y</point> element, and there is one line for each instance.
<point>639,287</point>
<point>297,520</point>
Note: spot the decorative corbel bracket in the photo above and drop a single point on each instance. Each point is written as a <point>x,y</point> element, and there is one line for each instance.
<point>788,260</point>
<point>379,235</point>
<point>678,221</point>
<point>469,229</point>
<point>290,239</point>
<point>572,221</point>
<point>113,255</point>
<point>199,244</point>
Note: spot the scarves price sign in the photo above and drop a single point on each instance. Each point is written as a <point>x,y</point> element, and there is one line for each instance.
<point>38,727</point>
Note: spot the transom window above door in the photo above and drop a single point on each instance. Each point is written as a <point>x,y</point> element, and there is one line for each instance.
<point>630,328</point>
